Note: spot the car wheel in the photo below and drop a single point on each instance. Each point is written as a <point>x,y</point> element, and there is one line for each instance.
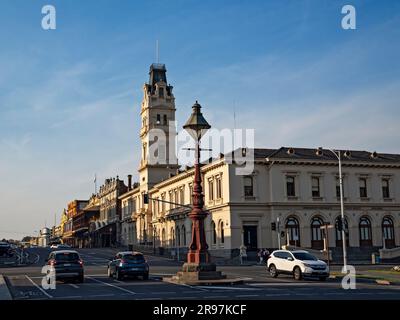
<point>297,273</point>
<point>272,271</point>
<point>118,275</point>
<point>81,279</point>
<point>110,275</point>
<point>146,276</point>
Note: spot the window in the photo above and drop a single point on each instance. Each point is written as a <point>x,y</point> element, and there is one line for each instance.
<point>363,188</point>
<point>219,188</point>
<point>315,187</point>
<point>158,118</point>
<point>184,235</point>
<point>221,232</point>
<point>338,187</point>
<point>213,233</point>
<point>176,198</point>
<point>317,241</point>
<point>181,196</point>
<point>290,186</point>
<point>388,232</point>
<point>161,92</point>
<point>293,231</point>
<point>178,237</point>
<point>385,189</point>
<point>165,120</point>
<point>163,203</point>
<point>210,190</point>
<point>191,193</point>
<point>365,232</point>
<point>248,187</point>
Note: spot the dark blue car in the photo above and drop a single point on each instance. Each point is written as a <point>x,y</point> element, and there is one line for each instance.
<point>128,264</point>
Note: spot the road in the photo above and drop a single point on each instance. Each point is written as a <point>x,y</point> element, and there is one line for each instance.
<point>25,283</point>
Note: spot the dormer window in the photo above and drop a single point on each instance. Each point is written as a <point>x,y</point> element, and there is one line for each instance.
<point>158,118</point>
<point>165,120</point>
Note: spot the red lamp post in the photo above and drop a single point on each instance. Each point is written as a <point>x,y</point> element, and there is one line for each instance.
<point>198,265</point>
<point>198,248</point>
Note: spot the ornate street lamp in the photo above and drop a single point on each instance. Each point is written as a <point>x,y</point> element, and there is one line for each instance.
<point>198,264</point>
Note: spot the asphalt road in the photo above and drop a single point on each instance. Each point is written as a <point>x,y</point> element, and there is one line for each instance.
<point>25,283</point>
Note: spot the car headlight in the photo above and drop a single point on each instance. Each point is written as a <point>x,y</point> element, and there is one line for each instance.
<point>307,265</point>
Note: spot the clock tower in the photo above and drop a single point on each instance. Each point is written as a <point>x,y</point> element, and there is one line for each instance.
<point>158,131</point>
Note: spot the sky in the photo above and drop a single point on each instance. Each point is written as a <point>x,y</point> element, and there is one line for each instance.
<point>70,98</point>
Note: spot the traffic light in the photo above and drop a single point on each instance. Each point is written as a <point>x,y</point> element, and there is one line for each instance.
<point>339,224</point>
<point>273,226</point>
<point>145,198</point>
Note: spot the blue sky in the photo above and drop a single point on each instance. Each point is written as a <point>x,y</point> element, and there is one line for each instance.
<point>70,98</point>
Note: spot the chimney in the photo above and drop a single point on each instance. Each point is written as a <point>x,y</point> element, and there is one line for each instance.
<point>129,182</point>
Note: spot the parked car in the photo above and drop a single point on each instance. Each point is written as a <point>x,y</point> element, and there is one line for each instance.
<point>128,263</point>
<point>68,264</point>
<point>5,249</point>
<point>298,263</point>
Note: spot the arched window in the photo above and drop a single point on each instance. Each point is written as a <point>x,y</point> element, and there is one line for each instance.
<point>339,241</point>
<point>221,232</point>
<point>163,237</point>
<point>172,237</point>
<point>317,241</point>
<point>248,186</point>
<point>388,232</point>
<point>365,232</point>
<point>293,231</point>
<point>213,233</point>
<point>178,237</point>
<point>184,236</point>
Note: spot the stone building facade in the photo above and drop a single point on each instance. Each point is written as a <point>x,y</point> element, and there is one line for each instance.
<point>288,196</point>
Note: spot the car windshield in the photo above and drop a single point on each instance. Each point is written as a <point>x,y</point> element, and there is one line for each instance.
<point>304,256</point>
<point>134,257</point>
<point>67,256</point>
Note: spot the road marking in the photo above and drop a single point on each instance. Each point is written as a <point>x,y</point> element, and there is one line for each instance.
<point>41,289</point>
<point>229,288</point>
<point>102,295</point>
<point>74,285</point>
<point>111,285</point>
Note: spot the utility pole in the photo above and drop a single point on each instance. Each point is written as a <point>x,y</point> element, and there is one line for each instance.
<point>338,156</point>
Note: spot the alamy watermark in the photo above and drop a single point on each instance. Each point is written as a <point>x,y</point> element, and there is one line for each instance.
<point>165,147</point>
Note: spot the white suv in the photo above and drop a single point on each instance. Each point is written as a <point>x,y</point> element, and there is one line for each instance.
<point>299,263</point>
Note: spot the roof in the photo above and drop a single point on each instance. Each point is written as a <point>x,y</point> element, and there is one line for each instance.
<point>293,153</point>
<point>64,251</point>
<point>130,252</point>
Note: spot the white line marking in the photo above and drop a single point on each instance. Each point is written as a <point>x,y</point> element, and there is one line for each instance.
<point>74,285</point>
<point>44,292</point>
<point>111,285</point>
<point>229,288</point>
